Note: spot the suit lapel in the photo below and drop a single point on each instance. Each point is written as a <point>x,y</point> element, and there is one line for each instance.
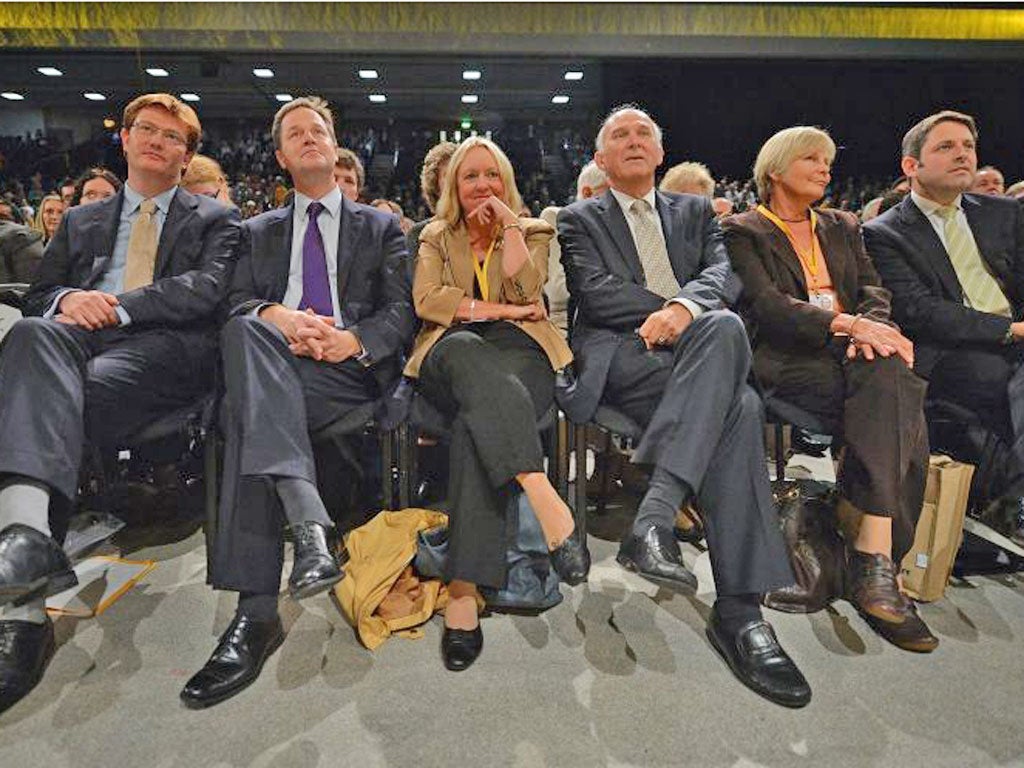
<point>100,237</point>
<point>983,238</point>
<point>615,222</point>
<point>783,251</point>
<point>832,239</point>
<point>350,228</point>
<point>179,217</point>
<point>279,254</point>
<point>924,241</point>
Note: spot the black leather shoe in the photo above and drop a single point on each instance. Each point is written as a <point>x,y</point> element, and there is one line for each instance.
<point>316,567</point>
<point>571,560</point>
<point>758,661</point>
<point>657,558</point>
<point>236,662</point>
<point>460,647</point>
<point>25,650</point>
<point>31,565</point>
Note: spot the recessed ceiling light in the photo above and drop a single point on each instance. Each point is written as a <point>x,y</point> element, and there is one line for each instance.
<point>573,74</point>
<point>157,71</point>
<point>263,72</point>
<point>190,97</point>
<point>49,71</point>
<point>92,96</point>
<point>368,74</point>
<point>378,98</point>
<point>470,98</point>
<point>466,124</point>
<point>11,96</point>
<point>283,96</point>
<point>559,99</point>
<point>471,74</point>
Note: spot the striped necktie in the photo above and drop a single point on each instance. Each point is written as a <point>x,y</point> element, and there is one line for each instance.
<point>981,291</point>
<point>650,247</point>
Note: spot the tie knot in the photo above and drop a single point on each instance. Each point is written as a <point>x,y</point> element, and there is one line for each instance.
<point>947,212</point>
<point>640,207</point>
<point>314,209</point>
<point>148,207</point>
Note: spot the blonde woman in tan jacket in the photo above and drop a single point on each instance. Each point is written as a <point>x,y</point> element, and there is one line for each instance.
<point>486,356</point>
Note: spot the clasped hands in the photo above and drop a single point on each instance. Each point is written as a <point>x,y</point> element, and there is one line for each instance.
<point>91,310</point>
<point>870,338</point>
<point>312,335</point>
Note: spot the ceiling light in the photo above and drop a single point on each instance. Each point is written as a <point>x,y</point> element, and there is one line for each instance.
<point>11,96</point>
<point>573,74</point>
<point>559,99</point>
<point>49,71</point>
<point>466,124</point>
<point>283,96</point>
<point>263,72</point>
<point>470,98</point>
<point>378,98</point>
<point>368,74</point>
<point>93,96</point>
<point>471,74</point>
<point>190,97</point>
<point>157,71</point>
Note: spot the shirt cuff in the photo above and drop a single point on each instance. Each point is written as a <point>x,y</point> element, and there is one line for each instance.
<point>364,357</point>
<point>123,316</point>
<point>50,313</point>
<point>692,307</point>
<point>255,312</point>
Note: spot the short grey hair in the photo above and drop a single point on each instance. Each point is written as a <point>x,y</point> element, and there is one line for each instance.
<point>914,139</point>
<point>621,110</point>
<point>782,149</point>
<point>591,176</point>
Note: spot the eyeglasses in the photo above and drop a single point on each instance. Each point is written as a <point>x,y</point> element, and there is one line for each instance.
<point>148,131</point>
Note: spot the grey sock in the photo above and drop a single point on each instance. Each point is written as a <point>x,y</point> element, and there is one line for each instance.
<point>659,505</point>
<point>301,501</point>
<point>256,606</point>
<point>26,501</point>
<point>33,611</point>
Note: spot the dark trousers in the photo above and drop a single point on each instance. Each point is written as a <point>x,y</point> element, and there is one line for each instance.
<point>704,424</point>
<point>493,381</point>
<point>877,409</point>
<point>273,401</point>
<point>60,384</point>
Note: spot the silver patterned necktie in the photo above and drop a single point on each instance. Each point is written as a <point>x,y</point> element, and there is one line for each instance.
<point>650,247</point>
<point>980,289</point>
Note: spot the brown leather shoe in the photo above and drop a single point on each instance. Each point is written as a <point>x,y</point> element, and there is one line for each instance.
<point>873,589</point>
<point>912,635</point>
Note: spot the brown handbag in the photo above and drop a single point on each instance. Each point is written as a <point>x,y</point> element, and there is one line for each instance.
<point>807,518</point>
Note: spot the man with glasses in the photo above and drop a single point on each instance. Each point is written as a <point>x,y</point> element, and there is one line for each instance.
<point>119,330</point>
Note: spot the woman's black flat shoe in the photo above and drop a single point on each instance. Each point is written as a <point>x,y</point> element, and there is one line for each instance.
<point>460,647</point>
<point>571,560</point>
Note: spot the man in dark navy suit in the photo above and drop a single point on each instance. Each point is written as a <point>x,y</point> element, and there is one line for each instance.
<point>320,310</point>
<point>120,329</point>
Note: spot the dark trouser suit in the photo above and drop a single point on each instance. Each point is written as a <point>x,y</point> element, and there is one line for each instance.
<point>876,408</point>
<point>61,384</point>
<point>704,424</point>
<point>273,401</point>
<point>493,381</point>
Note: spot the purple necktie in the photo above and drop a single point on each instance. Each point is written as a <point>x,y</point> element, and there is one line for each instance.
<point>316,285</point>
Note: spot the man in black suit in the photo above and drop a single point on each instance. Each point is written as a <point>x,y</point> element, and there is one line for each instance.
<point>650,279</point>
<point>119,329</point>
<point>320,310</point>
<point>955,265</point>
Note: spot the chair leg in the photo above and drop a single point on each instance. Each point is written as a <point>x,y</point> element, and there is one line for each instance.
<point>580,511</point>
<point>562,455</point>
<point>406,464</point>
<point>780,452</point>
<point>387,469</point>
<point>213,448</point>
<point>602,466</point>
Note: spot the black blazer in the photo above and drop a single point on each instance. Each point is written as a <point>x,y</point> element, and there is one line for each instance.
<point>374,277</point>
<point>606,280</point>
<point>194,261</point>
<point>927,297</point>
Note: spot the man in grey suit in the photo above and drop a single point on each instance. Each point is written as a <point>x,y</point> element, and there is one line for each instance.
<point>650,277</point>
<point>119,330</point>
<point>320,310</point>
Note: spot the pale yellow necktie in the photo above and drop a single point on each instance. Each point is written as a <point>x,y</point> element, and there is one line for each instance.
<point>141,261</point>
<point>650,247</point>
<point>980,289</point>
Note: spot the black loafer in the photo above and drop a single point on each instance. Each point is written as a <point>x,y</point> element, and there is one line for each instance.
<point>316,567</point>
<point>571,560</point>
<point>31,565</point>
<point>758,661</point>
<point>657,558</point>
<point>25,650</point>
<point>460,647</point>
<point>236,662</point>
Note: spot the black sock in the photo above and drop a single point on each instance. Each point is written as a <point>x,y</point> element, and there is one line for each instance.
<point>665,495</point>
<point>735,611</point>
<point>256,606</point>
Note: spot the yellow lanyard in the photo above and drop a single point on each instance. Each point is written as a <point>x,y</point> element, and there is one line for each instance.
<point>481,272</point>
<point>808,260</point>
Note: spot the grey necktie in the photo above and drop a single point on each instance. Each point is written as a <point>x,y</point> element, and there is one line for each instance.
<point>980,289</point>
<point>650,247</point>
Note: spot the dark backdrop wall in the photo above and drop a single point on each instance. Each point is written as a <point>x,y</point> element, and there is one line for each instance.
<point>721,111</point>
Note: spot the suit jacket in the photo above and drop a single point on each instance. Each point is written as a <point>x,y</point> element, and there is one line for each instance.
<point>373,277</point>
<point>927,297</point>
<point>607,287</point>
<point>445,276</point>
<point>194,261</point>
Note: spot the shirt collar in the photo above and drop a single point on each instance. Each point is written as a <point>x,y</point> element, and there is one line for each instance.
<point>132,199</point>
<point>625,201</point>
<point>930,207</point>
<point>331,203</point>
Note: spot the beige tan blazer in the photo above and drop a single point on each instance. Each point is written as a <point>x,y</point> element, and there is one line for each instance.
<point>444,276</point>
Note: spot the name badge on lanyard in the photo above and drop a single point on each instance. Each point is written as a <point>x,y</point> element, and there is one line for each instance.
<point>823,300</point>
